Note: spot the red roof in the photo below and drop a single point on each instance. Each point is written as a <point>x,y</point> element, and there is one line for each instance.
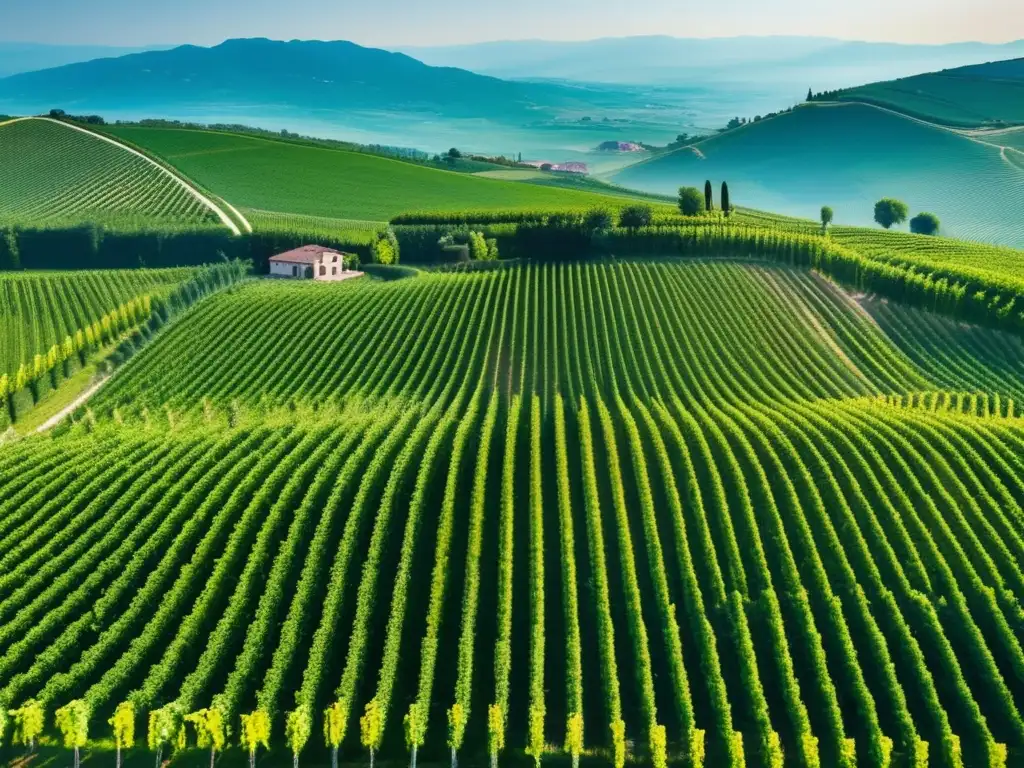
<point>307,254</point>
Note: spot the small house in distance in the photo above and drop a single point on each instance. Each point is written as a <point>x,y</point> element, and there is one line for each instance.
<point>311,262</point>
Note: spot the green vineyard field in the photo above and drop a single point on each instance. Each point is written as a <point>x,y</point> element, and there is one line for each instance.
<point>932,251</point>
<point>703,511</point>
<point>53,172</point>
<point>41,309</point>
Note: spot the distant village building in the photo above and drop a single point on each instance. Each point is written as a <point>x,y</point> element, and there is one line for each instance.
<point>571,167</point>
<point>311,262</point>
<point>620,146</point>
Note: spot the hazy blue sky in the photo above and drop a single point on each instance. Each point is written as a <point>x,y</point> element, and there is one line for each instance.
<point>416,22</point>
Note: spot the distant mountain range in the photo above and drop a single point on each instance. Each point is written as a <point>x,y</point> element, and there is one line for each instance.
<point>301,74</point>
<point>823,63</point>
<point>558,99</point>
<point>29,57</point>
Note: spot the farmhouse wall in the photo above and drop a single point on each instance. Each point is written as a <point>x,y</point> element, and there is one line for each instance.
<point>285,270</point>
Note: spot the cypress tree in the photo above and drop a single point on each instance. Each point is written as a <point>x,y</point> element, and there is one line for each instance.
<point>708,202</point>
<point>810,95</point>
<point>725,199</point>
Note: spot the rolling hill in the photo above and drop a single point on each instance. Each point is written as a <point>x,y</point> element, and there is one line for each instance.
<point>294,178</point>
<point>848,156</point>
<point>981,96</point>
<point>56,172</point>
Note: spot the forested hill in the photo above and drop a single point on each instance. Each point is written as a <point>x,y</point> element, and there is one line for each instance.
<point>306,74</point>
<point>977,96</point>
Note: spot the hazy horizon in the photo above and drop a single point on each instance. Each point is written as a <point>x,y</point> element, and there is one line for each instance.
<point>510,40</point>
<point>398,23</point>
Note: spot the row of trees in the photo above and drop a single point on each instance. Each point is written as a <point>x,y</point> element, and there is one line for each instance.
<point>36,379</point>
<point>692,203</point>
<point>890,211</point>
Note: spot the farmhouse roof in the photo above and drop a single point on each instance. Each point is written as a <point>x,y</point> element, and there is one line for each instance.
<point>307,254</point>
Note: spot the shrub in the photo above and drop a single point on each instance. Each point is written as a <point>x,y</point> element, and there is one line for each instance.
<point>924,224</point>
<point>21,403</point>
<point>477,246</point>
<point>566,220</point>
<point>691,202</point>
<point>889,211</point>
<point>636,216</point>
<point>826,217</point>
<point>385,248</point>
<point>599,219</point>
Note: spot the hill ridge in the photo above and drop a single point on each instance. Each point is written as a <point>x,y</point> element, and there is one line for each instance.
<point>309,74</point>
<point>847,155</point>
<point>976,96</point>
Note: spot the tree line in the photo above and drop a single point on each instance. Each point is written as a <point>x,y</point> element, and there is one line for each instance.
<point>693,203</point>
<point>889,212</point>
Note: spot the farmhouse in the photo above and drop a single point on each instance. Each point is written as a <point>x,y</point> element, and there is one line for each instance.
<point>314,262</point>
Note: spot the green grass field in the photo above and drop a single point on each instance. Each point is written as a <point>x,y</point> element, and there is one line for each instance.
<point>52,172</point>
<point>706,510</point>
<point>294,178</point>
<point>984,95</point>
<point>848,157</point>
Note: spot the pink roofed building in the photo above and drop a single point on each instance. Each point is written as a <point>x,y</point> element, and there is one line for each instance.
<point>570,167</point>
<point>311,262</point>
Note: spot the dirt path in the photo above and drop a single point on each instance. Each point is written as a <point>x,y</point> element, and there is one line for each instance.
<point>238,215</point>
<point>79,401</point>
